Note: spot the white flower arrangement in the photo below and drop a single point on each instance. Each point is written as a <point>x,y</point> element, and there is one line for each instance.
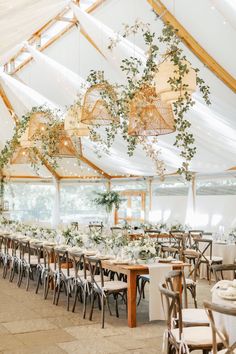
<point>142,249</point>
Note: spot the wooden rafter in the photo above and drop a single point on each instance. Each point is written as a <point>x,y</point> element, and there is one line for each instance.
<point>8,104</point>
<point>47,165</point>
<point>57,36</point>
<point>193,45</point>
<point>95,167</point>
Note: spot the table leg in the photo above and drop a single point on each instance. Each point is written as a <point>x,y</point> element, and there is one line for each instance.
<point>132,292</point>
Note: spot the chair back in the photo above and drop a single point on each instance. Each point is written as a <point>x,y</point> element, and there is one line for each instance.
<point>174,277</point>
<point>24,247</point>
<point>61,256</point>
<point>211,309</point>
<point>220,269</point>
<point>202,245</point>
<point>96,227</point>
<point>78,264</point>
<point>48,256</point>
<point>95,268</point>
<point>172,308</point>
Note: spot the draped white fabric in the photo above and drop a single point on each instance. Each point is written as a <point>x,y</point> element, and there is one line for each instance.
<point>209,128</point>
<point>22,97</point>
<point>102,35</point>
<point>190,209</point>
<point>63,80</point>
<point>228,9</point>
<point>19,19</point>
<point>214,128</point>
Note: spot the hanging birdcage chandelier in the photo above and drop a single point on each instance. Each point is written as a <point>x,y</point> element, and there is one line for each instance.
<point>96,109</point>
<point>148,115</point>
<point>72,122</point>
<point>166,70</point>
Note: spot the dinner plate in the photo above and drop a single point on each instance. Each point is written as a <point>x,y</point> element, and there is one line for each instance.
<point>90,253</point>
<point>121,262</point>
<point>225,296</point>
<point>165,260</point>
<point>104,257</point>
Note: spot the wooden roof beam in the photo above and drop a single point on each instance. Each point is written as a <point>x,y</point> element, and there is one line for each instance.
<point>92,165</point>
<point>193,45</point>
<point>57,36</point>
<point>8,104</point>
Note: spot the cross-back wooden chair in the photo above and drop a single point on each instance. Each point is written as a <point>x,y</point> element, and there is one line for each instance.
<point>80,286</point>
<point>190,316</point>
<point>48,269</point>
<point>28,263</point>
<point>13,257</point>
<point>216,332</point>
<point>63,275</point>
<point>182,339</point>
<point>102,289</point>
<point>203,246</point>
<point>220,270</point>
<point>96,227</point>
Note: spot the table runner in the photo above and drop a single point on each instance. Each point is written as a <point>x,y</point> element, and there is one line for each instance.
<point>157,273</point>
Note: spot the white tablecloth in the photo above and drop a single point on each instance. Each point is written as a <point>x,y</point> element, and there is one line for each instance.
<point>227,324</point>
<point>226,251</point>
<point>157,273</point>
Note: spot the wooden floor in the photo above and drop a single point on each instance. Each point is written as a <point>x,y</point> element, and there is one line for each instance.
<point>29,324</point>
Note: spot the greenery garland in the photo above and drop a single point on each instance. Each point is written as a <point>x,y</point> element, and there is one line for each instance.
<point>46,139</point>
<point>109,200</point>
<point>137,77</point>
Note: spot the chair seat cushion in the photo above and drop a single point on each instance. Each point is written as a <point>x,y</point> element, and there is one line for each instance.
<point>190,281</point>
<point>197,316</point>
<point>196,336</point>
<point>115,285</point>
<point>215,258</point>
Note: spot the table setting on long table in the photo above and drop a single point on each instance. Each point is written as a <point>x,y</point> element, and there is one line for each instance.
<point>133,258</point>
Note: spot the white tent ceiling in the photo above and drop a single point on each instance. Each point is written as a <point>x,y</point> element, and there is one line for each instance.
<point>214,128</point>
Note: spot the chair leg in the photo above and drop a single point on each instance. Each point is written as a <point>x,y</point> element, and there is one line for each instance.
<point>85,303</point>
<point>58,292</point>
<point>21,273</point>
<point>103,310</point>
<point>92,306</point>
<point>75,298</point>
<point>68,296</point>
<point>28,271</point>
<point>46,286</point>
<point>38,281</point>
<point>117,311</point>
<point>108,305</point>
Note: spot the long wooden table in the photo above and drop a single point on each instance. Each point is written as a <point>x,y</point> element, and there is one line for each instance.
<point>132,271</point>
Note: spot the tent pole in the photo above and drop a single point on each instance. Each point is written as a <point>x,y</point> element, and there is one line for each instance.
<point>56,204</point>
<point>194,192</point>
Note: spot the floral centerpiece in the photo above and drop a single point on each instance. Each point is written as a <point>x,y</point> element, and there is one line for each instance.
<point>73,237</point>
<point>142,249</point>
<point>109,200</point>
<point>232,235</point>
<point>96,237</point>
<point>178,227</point>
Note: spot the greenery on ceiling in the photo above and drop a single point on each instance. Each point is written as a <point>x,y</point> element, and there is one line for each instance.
<point>44,143</point>
<point>138,76</point>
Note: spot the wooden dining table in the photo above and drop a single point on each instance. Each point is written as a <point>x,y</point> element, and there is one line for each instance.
<point>132,272</point>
